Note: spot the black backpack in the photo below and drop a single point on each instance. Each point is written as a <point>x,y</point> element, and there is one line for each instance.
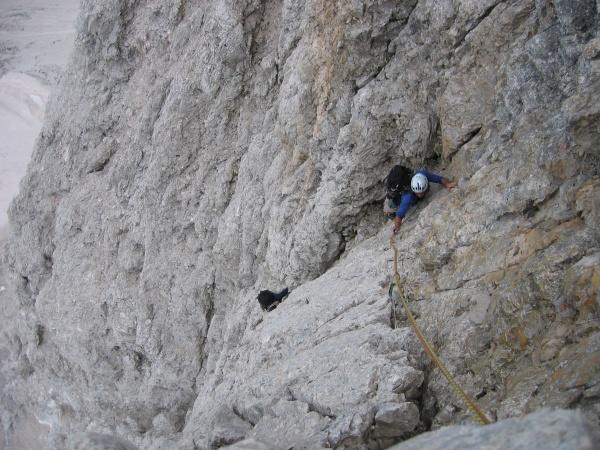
<point>269,300</point>
<point>266,299</point>
<point>397,181</point>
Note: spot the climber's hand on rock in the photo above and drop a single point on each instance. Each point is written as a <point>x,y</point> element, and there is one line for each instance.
<point>448,184</point>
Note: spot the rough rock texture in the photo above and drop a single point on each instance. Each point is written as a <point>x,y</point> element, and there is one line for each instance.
<point>97,441</point>
<point>552,430</point>
<point>203,150</point>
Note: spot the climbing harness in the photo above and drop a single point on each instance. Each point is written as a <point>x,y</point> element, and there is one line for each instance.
<point>471,405</point>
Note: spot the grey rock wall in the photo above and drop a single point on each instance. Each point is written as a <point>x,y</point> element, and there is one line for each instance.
<point>200,151</point>
<point>553,430</point>
<point>545,429</point>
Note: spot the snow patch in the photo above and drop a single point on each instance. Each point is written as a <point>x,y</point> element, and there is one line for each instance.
<point>22,103</point>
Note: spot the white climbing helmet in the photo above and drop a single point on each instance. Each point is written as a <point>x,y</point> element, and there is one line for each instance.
<point>419,183</point>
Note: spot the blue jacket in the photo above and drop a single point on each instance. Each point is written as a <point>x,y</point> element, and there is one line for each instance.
<point>409,198</point>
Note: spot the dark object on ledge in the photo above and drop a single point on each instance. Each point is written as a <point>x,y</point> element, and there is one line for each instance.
<point>269,300</point>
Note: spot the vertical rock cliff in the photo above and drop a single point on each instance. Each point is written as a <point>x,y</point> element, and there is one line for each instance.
<point>199,151</point>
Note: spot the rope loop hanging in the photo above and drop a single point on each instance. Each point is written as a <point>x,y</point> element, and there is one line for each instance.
<point>460,393</point>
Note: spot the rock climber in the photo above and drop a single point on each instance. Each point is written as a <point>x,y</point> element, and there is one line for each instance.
<point>399,199</point>
<point>269,300</point>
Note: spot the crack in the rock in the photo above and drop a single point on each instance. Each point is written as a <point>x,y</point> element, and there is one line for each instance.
<point>312,407</point>
<point>469,137</point>
<point>530,206</point>
<point>100,165</point>
<point>161,103</point>
<point>208,317</point>
<point>338,314</point>
<point>242,416</point>
<point>461,39</point>
<point>389,56</point>
<point>180,12</point>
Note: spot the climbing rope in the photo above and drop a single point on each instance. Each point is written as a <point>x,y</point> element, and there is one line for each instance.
<point>471,405</point>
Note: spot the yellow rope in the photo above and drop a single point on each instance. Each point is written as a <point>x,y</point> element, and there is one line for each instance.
<point>471,405</point>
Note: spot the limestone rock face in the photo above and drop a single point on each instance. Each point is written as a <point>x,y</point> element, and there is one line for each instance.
<point>554,430</point>
<point>200,151</point>
<point>97,441</point>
